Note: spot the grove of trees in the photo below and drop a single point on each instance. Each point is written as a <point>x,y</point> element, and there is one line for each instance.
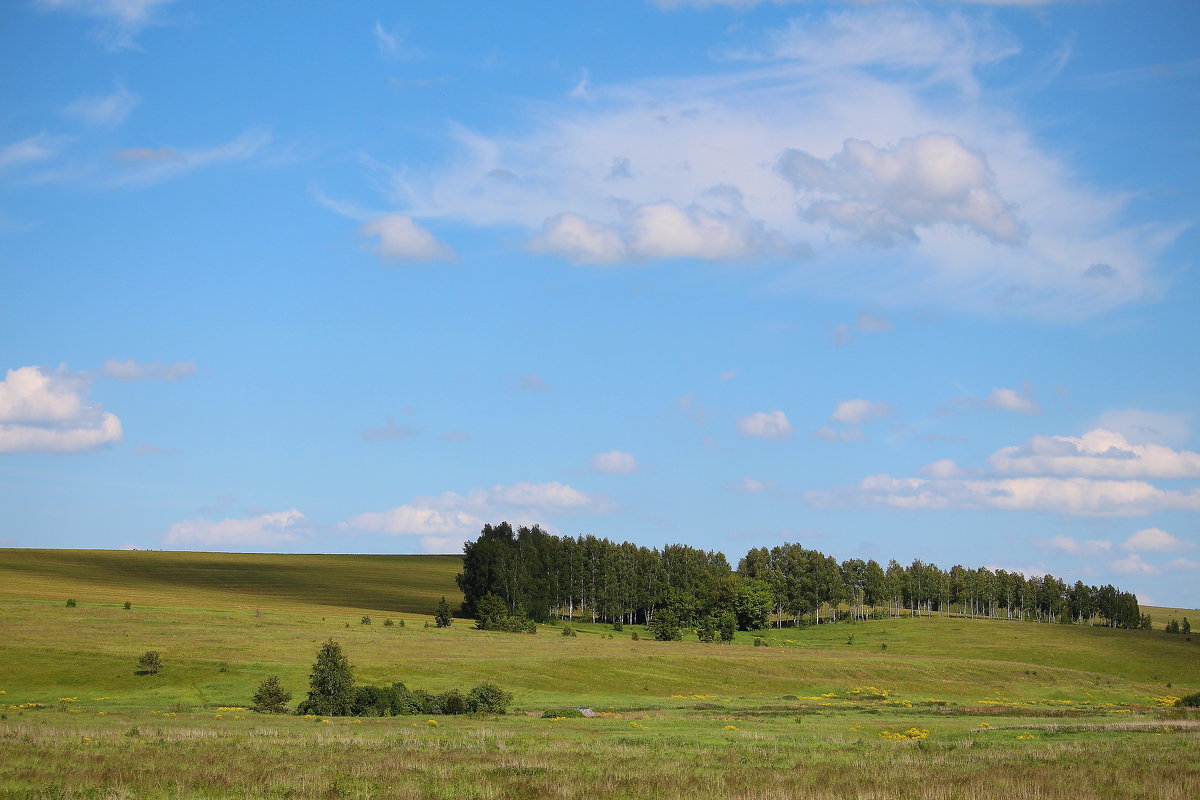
<point>543,576</point>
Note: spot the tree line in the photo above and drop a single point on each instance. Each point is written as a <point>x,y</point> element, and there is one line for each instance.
<point>544,576</point>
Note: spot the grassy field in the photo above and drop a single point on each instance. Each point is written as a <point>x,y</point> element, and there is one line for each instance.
<point>1018,709</point>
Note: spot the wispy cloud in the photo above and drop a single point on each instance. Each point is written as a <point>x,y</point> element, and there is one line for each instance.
<point>120,21</point>
<point>104,111</point>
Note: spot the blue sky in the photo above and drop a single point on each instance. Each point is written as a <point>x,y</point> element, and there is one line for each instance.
<point>893,280</point>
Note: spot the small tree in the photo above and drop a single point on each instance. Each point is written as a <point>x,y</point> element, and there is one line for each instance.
<point>128,605</point>
<point>270,697</point>
<point>488,698</point>
<point>707,632</point>
<point>441,618</point>
<point>331,683</point>
<point>1185,627</point>
<point>727,626</point>
<point>149,663</point>
<point>666,626</point>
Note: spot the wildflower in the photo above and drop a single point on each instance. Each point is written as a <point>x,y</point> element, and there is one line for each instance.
<point>984,725</point>
<point>68,699</point>
<point>431,722</point>
<point>324,722</point>
<point>636,725</point>
<point>731,727</point>
<point>1026,736</point>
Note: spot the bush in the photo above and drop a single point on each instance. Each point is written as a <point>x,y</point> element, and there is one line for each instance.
<point>567,630</point>
<point>488,698</point>
<point>707,632</point>
<point>365,620</point>
<point>666,626</point>
<point>618,626</point>
<point>1189,701</point>
<point>551,713</point>
<point>634,636</point>
<point>441,617</point>
<point>727,626</point>
<point>387,623</point>
<point>453,702</point>
<point>70,602</point>
<point>760,642</point>
<point>128,605</point>
<point>330,684</point>
<point>270,697</point>
<point>492,615</point>
<point>149,663</point>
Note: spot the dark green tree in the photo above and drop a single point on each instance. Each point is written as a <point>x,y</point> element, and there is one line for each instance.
<point>149,663</point>
<point>488,698</point>
<point>727,626</point>
<point>666,626</point>
<point>442,616</point>
<point>270,697</point>
<point>1185,627</point>
<point>330,684</point>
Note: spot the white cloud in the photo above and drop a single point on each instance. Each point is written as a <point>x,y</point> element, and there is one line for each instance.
<point>121,20</point>
<point>392,45</point>
<point>144,166</point>
<point>1133,564</point>
<point>829,433</point>
<point>1098,454</point>
<point>1139,426</point>
<point>1182,563</point>
<point>401,239</point>
<point>265,530</point>
<point>942,468</point>
<point>1072,496</point>
<point>35,148</point>
<point>858,411</point>
<point>445,521</point>
<point>1012,400</point>
<point>131,370</point>
<point>882,195</point>
<point>748,485</point>
<point>614,462</point>
<point>43,411</point>
<point>104,111</point>
<point>1065,544</point>
<point>765,425</point>
<point>698,176</point>
<point>1155,540</point>
<point>658,231</point>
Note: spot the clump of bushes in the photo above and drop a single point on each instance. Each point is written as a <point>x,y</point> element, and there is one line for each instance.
<point>492,614</point>
<point>561,713</point>
<point>149,663</point>
<point>1189,701</point>
<point>70,602</point>
<point>567,630</point>
<point>760,642</point>
<point>366,620</point>
<point>666,626</point>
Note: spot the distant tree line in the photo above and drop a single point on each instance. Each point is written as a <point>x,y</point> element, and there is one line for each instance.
<point>541,576</point>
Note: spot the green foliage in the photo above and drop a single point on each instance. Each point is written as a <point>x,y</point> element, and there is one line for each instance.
<point>561,713</point>
<point>128,605</point>
<point>271,697</point>
<point>387,623</point>
<point>727,626</point>
<point>488,698</point>
<point>761,642</point>
<point>366,620</point>
<point>1145,623</point>
<point>618,626</point>
<point>752,604</point>
<point>707,632</point>
<point>634,636</point>
<point>330,684</point>
<point>666,626</point>
<point>493,615</point>
<point>1189,701</point>
<point>1172,626</point>
<point>70,602</point>
<point>567,630</point>
<point>453,702</point>
<point>1186,627</point>
<point>441,617</point>
<point>149,663</point>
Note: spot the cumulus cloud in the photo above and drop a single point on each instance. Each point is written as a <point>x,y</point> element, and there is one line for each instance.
<point>885,194</point>
<point>658,231</point>
<point>1071,496</point>
<point>1099,454</point>
<point>614,462</point>
<point>131,370</point>
<point>1133,564</point>
<point>402,240</point>
<point>42,411</point>
<point>104,111</point>
<point>687,167</point>
<point>858,411</point>
<point>1140,426</point>
<point>269,530</point>
<point>120,20</point>
<point>450,518</point>
<point>1155,540</point>
<point>1065,544</point>
<point>1012,400</point>
<point>765,425</point>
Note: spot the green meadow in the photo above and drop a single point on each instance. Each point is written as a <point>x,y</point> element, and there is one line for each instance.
<point>927,707</point>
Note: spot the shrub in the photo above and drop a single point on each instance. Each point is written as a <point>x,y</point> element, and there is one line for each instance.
<point>727,626</point>
<point>666,626</point>
<point>387,623</point>
<point>330,684</point>
<point>149,663</point>
<point>128,605</point>
<point>270,697</point>
<point>1186,627</point>
<point>707,632</point>
<point>1189,701</point>
<point>492,615</point>
<point>441,617</point>
<point>634,636</point>
<point>618,626</point>
<point>453,702</point>
<point>551,713</point>
<point>760,642</point>
<point>70,602</point>
<point>366,620</point>
<point>488,698</point>
<point>400,624</point>
<point>567,630</point>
